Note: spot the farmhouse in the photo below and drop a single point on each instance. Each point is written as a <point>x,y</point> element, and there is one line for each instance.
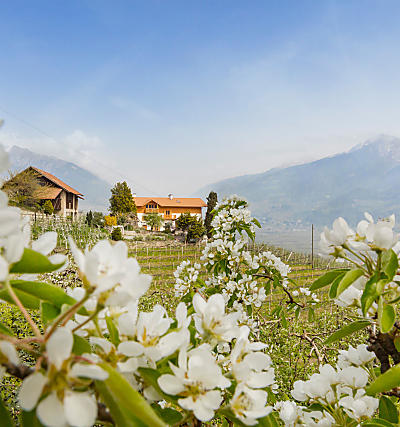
<point>63,197</point>
<point>170,208</point>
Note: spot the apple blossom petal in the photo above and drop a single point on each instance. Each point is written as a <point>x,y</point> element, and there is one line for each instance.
<point>50,412</point>
<point>130,365</point>
<point>199,303</point>
<point>80,409</point>
<point>4,268</point>
<point>45,243</point>
<point>59,346</point>
<point>8,350</point>
<point>87,370</point>
<point>104,344</point>
<point>31,390</point>
<point>130,348</point>
<point>170,384</point>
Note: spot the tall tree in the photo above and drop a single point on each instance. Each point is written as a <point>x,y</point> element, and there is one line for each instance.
<point>212,201</point>
<point>121,200</point>
<point>23,189</point>
<point>192,225</point>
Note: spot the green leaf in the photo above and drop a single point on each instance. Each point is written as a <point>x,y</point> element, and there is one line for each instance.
<point>334,286</point>
<point>5,417</point>
<point>37,291</point>
<point>385,382</point>
<point>44,291</point>
<point>370,293</point>
<point>327,278</point>
<point>113,331</point>
<point>397,342</point>
<point>256,222</point>
<point>311,315</point>
<point>48,312</point>
<point>390,263</point>
<point>348,330</point>
<point>227,413</point>
<point>388,410</point>
<point>378,422</point>
<point>130,401</point>
<point>386,316</point>
<point>80,345</point>
<point>270,420</point>
<point>283,320</point>
<point>169,415</point>
<point>350,277</point>
<point>119,415</point>
<point>34,262</point>
<point>29,302</point>
<point>29,419</point>
<point>6,330</point>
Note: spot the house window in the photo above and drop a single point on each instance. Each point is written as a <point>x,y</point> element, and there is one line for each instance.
<point>70,201</point>
<point>167,212</point>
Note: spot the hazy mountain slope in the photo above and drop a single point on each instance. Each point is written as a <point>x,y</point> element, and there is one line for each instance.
<point>95,190</point>
<point>365,178</point>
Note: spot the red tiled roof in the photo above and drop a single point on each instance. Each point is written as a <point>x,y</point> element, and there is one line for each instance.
<point>184,202</point>
<point>57,181</point>
<point>48,193</point>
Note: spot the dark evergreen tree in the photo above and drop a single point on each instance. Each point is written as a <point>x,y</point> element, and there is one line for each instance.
<point>89,218</point>
<point>212,201</point>
<point>121,201</point>
<point>192,225</point>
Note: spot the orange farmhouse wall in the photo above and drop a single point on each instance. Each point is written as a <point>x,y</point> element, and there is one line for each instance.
<point>173,210</point>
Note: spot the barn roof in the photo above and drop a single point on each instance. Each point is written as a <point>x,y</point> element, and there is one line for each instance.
<point>47,193</point>
<point>183,202</point>
<point>57,181</point>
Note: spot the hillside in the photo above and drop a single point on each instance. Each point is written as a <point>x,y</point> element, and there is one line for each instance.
<point>96,191</point>
<point>364,179</point>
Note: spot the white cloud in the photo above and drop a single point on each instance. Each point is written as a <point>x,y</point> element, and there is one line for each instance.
<point>87,151</point>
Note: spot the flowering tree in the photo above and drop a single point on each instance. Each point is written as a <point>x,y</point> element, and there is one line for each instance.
<point>95,357</point>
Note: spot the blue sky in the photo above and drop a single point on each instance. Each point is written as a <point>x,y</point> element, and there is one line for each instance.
<point>173,95</point>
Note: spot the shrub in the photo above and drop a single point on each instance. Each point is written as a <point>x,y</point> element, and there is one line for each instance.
<point>48,207</point>
<point>110,220</point>
<point>116,234</point>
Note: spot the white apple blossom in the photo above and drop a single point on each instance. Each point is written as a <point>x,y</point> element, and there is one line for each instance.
<point>378,235</point>
<point>289,412</point>
<point>248,404</point>
<point>211,320</point>
<point>147,335</point>
<point>339,235</point>
<point>198,380</point>
<point>360,406</point>
<point>355,356</point>
<point>74,408</point>
<point>107,267</point>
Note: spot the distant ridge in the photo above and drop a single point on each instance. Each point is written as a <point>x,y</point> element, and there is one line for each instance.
<point>366,178</point>
<point>95,190</point>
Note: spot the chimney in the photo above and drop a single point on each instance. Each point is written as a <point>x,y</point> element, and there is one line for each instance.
<point>170,196</point>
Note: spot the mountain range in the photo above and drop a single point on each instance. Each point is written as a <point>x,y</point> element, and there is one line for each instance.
<point>366,178</point>
<point>95,190</point>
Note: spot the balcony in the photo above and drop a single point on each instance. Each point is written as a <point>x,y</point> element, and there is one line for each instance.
<point>151,210</point>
